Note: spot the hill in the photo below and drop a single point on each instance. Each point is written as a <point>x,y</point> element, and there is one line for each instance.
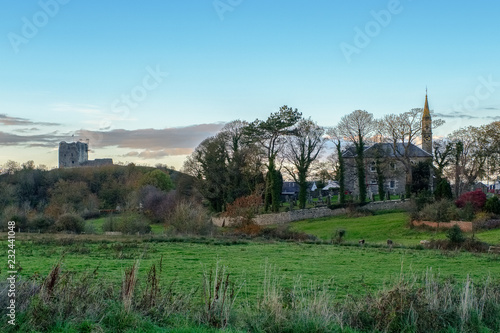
<point>378,228</point>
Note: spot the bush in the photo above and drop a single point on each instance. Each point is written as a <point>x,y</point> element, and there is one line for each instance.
<point>129,223</point>
<point>41,222</point>
<point>455,235</point>
<point>90,214</point>
<point>70,222</point>
<point>443,190</point>
<point>157,204</point>
<point>439,211</point>
<point>476,198</point>
<point>467,212</point>
<point>245,207</point>
<point>284,232</point>
<point>493,205</point>
<point>338,236</point>
<point>190,218</point>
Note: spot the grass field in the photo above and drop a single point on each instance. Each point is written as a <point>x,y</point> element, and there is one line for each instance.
<point>350,269</point>
<point>342,270</point>
<point>378,228</point>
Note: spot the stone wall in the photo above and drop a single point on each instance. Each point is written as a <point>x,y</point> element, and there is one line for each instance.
<point>304,214</point>
<point>464,226</point>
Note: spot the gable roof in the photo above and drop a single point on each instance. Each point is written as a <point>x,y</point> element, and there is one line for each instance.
<point>386,150</point>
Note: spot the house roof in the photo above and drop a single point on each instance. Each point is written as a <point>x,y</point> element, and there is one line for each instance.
<point>387,150</point>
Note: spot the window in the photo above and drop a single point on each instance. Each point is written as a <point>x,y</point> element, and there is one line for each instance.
<point>373,167</point>
<point>392,184</point>
<point>373,182</point>
<point>393,166</point>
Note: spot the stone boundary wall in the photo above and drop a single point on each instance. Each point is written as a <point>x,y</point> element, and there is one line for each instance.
<point>304,214</point>
<point>464,226</point>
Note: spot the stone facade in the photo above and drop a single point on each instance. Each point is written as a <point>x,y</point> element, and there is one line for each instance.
<point>76,154</point>
<point>392,169</point>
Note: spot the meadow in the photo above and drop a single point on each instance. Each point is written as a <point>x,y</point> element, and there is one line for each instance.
<point>342,271</point>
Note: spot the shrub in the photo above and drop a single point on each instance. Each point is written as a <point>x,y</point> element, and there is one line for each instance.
<point>476,198</point>
<point>70,222</point>
<point>455,235</point>
<point>338,236</point>
<point>129,223</point>
<point>443,190</point>
<point>439,211</point>
<point>467,212</point>
<point>493,205</point>
<point>157,204</point>
<point>245,207</point>
<point>90,214</point>
<point>41,222</point>
<point>190,218</point>
<point>284,232</point>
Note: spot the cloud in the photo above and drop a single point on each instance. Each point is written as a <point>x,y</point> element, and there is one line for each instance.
<point>151,139</point>
<point>144,143</point>
<point>15,121</point>
<point>465,116</point>
<point>27,130</point>
<point>158,154</point>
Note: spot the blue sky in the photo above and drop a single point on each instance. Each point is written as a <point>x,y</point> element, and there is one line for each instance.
<point>147,81</point>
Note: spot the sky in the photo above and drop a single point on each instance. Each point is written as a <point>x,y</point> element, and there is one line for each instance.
<point>147,81</point>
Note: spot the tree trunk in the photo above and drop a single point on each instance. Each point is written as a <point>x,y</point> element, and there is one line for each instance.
<point>302,190</point>
<point>341,175</point>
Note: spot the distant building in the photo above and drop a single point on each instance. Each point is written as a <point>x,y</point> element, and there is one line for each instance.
<point>392,168</point>
<point>76,154</point>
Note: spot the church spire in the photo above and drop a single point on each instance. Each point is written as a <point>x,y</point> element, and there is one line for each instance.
<point>426,127</point>
<point>427,113</point>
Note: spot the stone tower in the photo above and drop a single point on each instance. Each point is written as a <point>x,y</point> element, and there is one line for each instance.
<point>427,127</point>
<point>73,154</point>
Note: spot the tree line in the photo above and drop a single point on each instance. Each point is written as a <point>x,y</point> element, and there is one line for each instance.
<point>247,158</point>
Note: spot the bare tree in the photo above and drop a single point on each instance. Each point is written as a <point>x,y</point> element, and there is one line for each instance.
<point>402,131</point>
<point>303,147</point>
<point>357,127</point>
<point>335,136</point>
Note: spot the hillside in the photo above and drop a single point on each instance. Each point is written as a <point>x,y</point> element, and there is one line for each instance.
<point>378,228</point>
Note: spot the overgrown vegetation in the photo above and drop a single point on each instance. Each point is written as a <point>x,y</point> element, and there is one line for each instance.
<point>411,303</point>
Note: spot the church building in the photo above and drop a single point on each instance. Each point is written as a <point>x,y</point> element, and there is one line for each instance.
<point>385,157</point>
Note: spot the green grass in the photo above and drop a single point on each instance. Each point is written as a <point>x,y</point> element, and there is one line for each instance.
<point>378,228</point>
<point>156,228</point>
<point>352,269</point>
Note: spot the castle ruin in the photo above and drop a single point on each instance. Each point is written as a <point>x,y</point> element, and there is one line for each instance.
<point>76,154</point>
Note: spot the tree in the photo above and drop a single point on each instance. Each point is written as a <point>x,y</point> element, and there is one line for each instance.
<point>226,166</point>
<point>421,176</point>
<point>336,137</point>
<point>158,179</point>
<point>270,135</point>
<point>470,156</point>
<point>443,155</point>
<point>11,167</point>
<point>357,127</point>
<point>208,165</point>
<point>243,161</point>
<point>303,147</point>
<point>402,131</point>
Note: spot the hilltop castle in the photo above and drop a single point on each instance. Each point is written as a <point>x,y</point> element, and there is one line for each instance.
<point>76,154</point>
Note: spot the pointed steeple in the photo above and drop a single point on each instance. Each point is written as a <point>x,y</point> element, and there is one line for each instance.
<point>426,127</point>
<point>427,113</point>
